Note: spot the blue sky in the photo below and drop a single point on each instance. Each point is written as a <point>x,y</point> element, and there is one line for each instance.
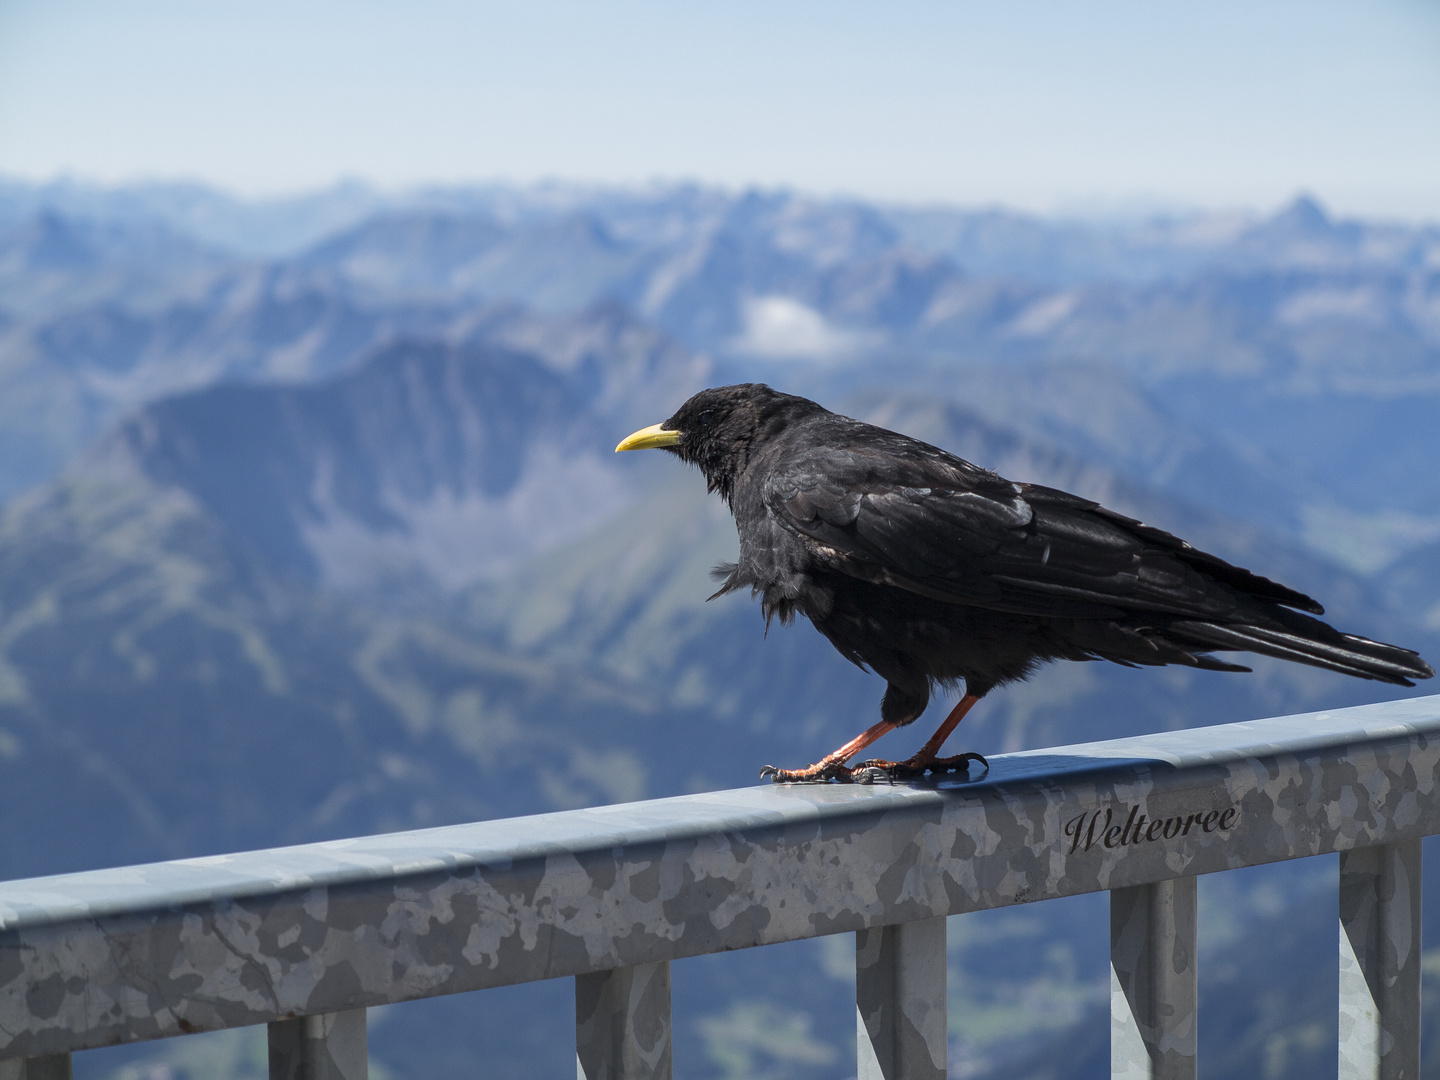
<point>1074,105</point>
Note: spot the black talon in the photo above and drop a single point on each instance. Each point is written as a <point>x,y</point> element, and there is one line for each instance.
<point>961,762</point>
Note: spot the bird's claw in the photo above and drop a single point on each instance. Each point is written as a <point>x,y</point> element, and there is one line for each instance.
<point>873,771</point>
<point>816,774</point>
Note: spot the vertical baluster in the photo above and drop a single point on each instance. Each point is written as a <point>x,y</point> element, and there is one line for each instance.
<point>48,1067</point>
<point>622,1024</point>
<point>901,1031</point>
<point>1152,981</point>
<point>1380,962</point>
<point>329,1046</point>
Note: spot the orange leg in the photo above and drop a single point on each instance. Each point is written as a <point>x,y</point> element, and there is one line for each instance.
<point>831,765</point>
<point>927,752</point>
<point>924,759</point>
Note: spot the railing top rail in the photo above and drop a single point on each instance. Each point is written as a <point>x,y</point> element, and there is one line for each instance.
<point>241,939</point>
<point>392,857</point>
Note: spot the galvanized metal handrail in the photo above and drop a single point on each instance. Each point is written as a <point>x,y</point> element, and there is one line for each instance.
<point>305,938</point>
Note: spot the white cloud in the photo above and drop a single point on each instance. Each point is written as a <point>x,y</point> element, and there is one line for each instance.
<point>782,328</point>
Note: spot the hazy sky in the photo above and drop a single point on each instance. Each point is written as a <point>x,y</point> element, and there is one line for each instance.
<point>1039,104</point>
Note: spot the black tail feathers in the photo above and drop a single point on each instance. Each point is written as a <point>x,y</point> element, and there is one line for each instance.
<point>1307,640</point>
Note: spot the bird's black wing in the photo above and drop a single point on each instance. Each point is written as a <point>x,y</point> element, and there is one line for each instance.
<point>890,510</point>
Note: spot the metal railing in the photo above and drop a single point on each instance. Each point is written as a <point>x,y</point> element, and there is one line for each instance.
<point>306,938</point>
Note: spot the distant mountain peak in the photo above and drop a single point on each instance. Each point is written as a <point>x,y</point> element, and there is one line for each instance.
<point>1305,214</point>
<point>1304,236</point>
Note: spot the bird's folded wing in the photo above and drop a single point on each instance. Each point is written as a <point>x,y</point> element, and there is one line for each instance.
<point>984,541</point>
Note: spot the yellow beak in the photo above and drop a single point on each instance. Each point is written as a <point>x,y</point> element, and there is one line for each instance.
<point>649,438</point>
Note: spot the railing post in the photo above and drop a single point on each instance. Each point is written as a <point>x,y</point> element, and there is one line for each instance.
<point>622,1024</point>
<point>328,1046</point>
<point>1380,962</point>
<point>49,1067</point>
<point>1152,981</point>
<point>901,1031</point>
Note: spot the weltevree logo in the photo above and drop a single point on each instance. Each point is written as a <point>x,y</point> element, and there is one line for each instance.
<point>1100,827</point>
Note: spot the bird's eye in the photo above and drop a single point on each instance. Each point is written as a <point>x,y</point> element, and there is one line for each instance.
<point>706,415</point>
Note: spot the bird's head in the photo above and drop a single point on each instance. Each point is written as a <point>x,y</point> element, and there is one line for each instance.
<point>717,429</point>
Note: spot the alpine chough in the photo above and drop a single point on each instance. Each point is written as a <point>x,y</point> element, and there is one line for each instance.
<point>930,570</point>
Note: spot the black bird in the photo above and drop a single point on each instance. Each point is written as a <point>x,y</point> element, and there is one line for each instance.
<point>930,570</point>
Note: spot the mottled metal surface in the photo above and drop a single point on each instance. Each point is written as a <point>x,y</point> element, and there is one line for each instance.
<point>1380,962</point>
<point>49,1067</point>
<point>143,952</point>
<point>900,1002</point>
<point>1153,986</point>
<point>330,1046</point>
<point>622,1024</point>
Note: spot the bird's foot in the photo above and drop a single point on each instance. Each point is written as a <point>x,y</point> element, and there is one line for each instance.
<point>875,771</point>
<point>819,773</point>
<point>913,768</point>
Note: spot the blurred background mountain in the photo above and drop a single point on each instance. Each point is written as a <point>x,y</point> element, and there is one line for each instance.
<point>311,528</point>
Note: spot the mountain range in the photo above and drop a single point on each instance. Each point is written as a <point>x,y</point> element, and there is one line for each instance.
<point>321,534</point>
